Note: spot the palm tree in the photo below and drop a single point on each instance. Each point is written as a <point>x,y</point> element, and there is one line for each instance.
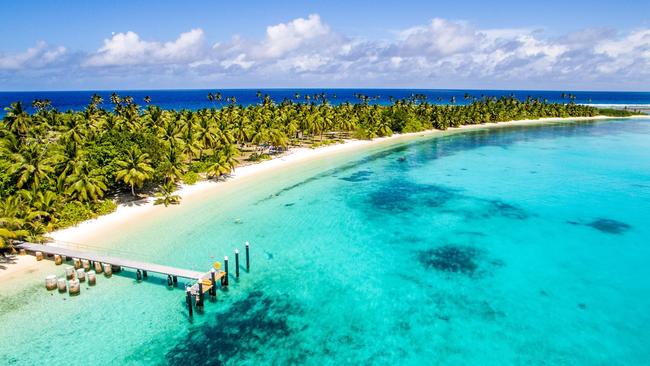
<point>135,169</point>
<point>166,195</point>
<point>32,165</point>
<point>85,184</point>
<point>17,120</point>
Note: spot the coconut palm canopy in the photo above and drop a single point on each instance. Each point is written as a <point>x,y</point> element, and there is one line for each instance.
<point>58,167</point>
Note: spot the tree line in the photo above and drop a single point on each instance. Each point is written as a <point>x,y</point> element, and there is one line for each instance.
<point>58,168</point>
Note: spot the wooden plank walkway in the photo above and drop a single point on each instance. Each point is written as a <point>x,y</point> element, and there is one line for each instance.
<point>149,267</point>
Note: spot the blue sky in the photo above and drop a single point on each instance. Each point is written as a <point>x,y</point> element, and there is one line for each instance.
<point>50,45</point>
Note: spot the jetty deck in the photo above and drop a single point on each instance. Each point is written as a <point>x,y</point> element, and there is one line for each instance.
<point>127,263</point>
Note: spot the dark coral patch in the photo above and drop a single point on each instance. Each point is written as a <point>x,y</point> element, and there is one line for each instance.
<point>360,176</point>
<point>451,258</point>
<point>406,196</point>
<point>251,324</point>
<point>503,209</point>
<point>609,226</point>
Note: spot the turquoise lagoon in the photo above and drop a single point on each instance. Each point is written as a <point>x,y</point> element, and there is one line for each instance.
<point>517,245</point>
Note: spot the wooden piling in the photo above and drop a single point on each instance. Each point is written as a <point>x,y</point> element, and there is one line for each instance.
<point>39,256</point>
<point>237,263</point>
<point>58,260</point>
<point>108,270</point>
<point>248,263</point>
<point>74,288</point>
<point>69,272</point>
<point>92,278</point>
<point>138,275</point>
<point>224,279</point>
<point>213,289</point>
<point>62,284</point>
<point>98,267</point>
<point>81,275</point>
<point>50,282</point>
<point>199,304</point>
<point>144,274</point>
<point>188,300</point>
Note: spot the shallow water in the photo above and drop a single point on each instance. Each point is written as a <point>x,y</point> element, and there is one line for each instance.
<point>522,245</point>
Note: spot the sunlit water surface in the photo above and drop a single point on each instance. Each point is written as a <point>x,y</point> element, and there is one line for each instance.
<point>521,245</point>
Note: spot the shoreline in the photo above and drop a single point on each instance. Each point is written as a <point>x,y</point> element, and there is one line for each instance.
<point>85,231</point>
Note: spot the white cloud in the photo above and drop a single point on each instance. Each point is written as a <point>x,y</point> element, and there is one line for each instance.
<point>38,56</point>
<point>128,49</point>
<point>308,52</point>
<point>285,37</point>
<point>440,37</point>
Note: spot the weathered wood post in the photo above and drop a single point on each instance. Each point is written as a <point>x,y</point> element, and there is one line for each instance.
<point>170,282</point>
<point>213,280</point>
<point>58,259</point>
<point>39,256</point>
<point>188,300</point>
<point>248,263</point>
<point>224,279</point>
<point>199,304</point>
<point>81,275</point>
<point>74,288</point>
<point>237,263</point>
<point>138,274</point>
<point>108,270</point>
<point>69,272</point>
<point>62,284</point>
<point>175,279</point>
<point>144,274</point>
<point>98,267</point>
<point>50,282</point>
<point>92,279</point>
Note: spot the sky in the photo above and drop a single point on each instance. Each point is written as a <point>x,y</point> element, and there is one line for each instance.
<point>97,45</point>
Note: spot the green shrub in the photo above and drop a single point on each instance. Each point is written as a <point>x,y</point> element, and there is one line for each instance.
<point>412,125</point>
<point>361,134</point>
<point>258,157</point>
<point>103,207</point>
<point>191,177</point>
<point>615,112</point>
<point>73,213</point>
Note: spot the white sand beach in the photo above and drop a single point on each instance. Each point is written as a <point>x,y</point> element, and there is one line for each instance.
<point>124,213</point>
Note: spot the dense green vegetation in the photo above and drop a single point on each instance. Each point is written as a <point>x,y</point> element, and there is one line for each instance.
<point>617,112</point>
<point>59,168</point>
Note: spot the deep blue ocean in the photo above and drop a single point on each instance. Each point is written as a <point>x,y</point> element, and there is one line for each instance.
<point>197,98</point>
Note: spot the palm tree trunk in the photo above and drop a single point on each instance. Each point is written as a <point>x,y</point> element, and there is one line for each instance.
<point>132,190</point>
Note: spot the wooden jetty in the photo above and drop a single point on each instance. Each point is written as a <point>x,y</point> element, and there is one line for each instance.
<point>127,263</point>
<point>200,282</point>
